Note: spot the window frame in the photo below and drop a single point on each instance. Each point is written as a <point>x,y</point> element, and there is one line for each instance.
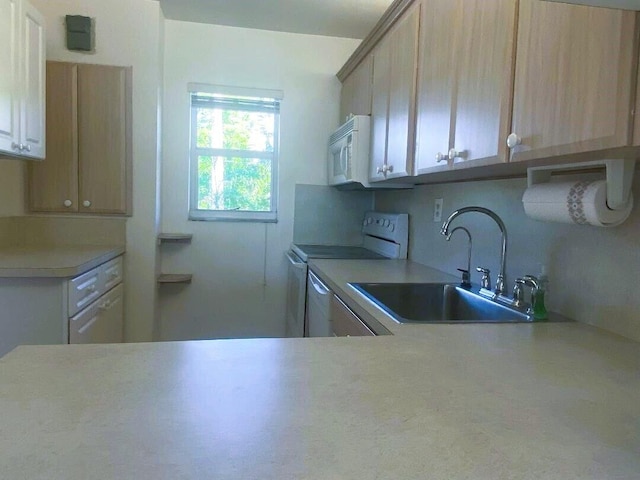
<point>196,214</point>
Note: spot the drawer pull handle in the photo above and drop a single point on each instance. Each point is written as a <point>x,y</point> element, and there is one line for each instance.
<point>106,305</point>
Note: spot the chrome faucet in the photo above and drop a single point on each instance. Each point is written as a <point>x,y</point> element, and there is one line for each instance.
<point>500,289</point>
<point>466,274</point>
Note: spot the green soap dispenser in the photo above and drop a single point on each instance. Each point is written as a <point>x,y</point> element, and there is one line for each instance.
<point>539,309</point>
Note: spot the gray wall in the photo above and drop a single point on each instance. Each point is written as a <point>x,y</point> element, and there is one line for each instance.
<point>327,216</point>
<point>593,272</point>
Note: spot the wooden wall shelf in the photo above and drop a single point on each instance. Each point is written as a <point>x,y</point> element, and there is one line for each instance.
<point>175,238</point>
<point>166,278</point>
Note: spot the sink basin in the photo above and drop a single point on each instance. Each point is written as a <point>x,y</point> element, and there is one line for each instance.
<point>438,303</point>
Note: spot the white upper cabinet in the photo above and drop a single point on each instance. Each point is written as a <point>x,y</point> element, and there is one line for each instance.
<point>22,80</point>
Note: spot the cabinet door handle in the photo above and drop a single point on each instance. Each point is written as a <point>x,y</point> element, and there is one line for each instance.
<point>453,154</point>
<point>86,203</point>
<point>67,203</point>
<point>513,141</point>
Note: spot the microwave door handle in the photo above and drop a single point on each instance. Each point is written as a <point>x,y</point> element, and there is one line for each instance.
<point>343,159</point>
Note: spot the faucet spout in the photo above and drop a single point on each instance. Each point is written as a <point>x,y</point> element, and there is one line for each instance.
<point>501,288</point>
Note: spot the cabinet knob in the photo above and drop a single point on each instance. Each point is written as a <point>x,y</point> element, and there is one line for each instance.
<point>453,154</point>
<point>15,146</point>
<point>86,203</point>
<point>25,147</point>
<point>387,169</point>
<point>440,157</point>
<point>513,140</point>
<point>67,203</point>
<point>380,170</point>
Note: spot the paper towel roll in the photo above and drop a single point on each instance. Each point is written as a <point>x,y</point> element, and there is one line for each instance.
<point>584,203</point>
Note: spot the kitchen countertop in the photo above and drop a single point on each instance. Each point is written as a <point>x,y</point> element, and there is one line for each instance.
<point>506,401</point>
<point>54,261</point>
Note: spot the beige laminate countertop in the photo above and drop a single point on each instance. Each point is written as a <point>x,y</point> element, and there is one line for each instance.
<point>509,401</point>
<point>54,261</point>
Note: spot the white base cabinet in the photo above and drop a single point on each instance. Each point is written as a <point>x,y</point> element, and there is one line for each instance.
<point>53,311</point>
<point>101,322</point>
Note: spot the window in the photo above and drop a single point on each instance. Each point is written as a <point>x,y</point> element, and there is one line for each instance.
<point>234,153</point>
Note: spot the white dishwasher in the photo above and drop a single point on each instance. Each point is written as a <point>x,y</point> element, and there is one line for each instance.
<point>318,307</point>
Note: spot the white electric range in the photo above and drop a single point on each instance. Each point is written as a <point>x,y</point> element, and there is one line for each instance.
<point>385,236</point>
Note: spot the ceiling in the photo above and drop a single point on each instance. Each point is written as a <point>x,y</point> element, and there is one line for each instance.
<point>334,18</point>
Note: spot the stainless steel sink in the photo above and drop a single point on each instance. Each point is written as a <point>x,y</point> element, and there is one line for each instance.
<point>438,303</point>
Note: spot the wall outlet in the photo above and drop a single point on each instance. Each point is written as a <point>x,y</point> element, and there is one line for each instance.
<point>437,210</point>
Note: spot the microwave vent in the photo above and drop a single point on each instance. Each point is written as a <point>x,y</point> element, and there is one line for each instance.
<point>345,129</point>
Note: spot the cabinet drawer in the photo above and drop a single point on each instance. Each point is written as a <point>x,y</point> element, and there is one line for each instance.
<point>111,274</point>
<point>84,289</point>
<point>345,322</point>
<point>100,322</point>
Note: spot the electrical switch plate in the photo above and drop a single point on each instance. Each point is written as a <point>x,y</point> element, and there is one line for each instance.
<point>437,210</point>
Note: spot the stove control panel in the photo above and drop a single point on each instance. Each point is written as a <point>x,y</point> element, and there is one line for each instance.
<point>390,226</point>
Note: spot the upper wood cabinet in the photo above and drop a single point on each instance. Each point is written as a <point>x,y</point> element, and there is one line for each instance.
<point>575,80</point>
<point>88,163</point>
<point>435,85</point>
<point>22,80</point>
<point>485,48</point>
<point>355,97</point>
<point>465,83</point>
<point>393,98</point>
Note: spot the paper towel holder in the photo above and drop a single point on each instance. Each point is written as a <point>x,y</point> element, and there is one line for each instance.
<point>619,177</point>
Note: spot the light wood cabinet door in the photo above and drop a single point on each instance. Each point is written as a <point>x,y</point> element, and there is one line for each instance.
<point>379,110</point>
<point>393,99</point>
<point>88,161</point>
<point>402,94</point>
<point>483,81</point>
<point>435,86</point>
<point>355,97</point>
<point>53,184</point>
<point>465,85</point>
<point>104,143</point>
<point>574,79</point>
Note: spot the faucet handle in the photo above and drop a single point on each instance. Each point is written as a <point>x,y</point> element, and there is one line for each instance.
<point>466,277</point>
<point>518,293</point>
<point>485,282</point>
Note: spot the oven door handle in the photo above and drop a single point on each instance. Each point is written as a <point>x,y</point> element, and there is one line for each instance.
<point>319,287</point>
<point>295,262</point>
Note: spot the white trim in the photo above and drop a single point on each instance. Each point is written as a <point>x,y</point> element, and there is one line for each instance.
<point>195,152</point>
<point>232,216</point>
<point>235,91</point>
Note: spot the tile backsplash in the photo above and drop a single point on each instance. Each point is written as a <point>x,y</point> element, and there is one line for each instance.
<point>593,272</point>
<point>325,215</point>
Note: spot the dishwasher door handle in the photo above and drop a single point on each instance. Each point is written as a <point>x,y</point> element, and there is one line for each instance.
<point>295,262</point>
<point>319,287</point>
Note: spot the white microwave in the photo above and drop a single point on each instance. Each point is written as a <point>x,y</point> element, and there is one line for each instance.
<point>348,158</point>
